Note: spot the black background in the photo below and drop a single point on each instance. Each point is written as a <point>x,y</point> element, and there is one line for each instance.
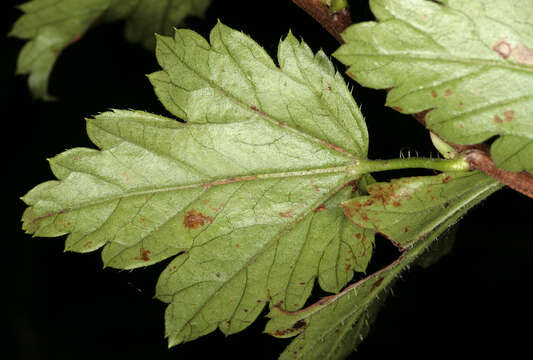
<point>473,302</point>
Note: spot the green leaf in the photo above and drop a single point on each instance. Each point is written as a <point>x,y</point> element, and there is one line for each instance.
<point>235,77</point>
<point>335,325</point>
<point>469,61</point>
<point>52,25</point>
<point>246,194</point>
<point>406,210</point>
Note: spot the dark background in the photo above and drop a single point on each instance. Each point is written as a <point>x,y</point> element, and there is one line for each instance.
<point>474,302</point>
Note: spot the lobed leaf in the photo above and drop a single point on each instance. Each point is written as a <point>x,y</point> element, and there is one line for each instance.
<point>249,200</point>
<point>406,210</point>
<point>51,25</point>
<point>470,62</point>
<point>335,325</point>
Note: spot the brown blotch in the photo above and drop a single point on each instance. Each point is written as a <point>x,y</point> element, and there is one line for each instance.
<point>347,267</point>
<point>194,219</point>
<point>299,324</point>
<point>358,235</point>
<point>335,147</point>
<point>88,243</point>
<point>446,179</point>
<point>434,93</point>
<point>497,119</point>
<point>377,283</point>
<point>523,55</point>
<point>287,214</point>
<point>503,48</point>
<point>508,115</point>
<point>144,255</point>
<point>320,208</point>
<point>396,204</point>
<point>447,93</point>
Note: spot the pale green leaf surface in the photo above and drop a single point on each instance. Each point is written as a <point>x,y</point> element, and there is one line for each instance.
<point>335,325</point>
<point>248,202</point>
<point>236,77</point>
<point>52,25</point>
<point>407,209</point>
<point>469,61</point>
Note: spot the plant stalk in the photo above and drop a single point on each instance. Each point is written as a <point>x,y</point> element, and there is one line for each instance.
<point>445,165</point>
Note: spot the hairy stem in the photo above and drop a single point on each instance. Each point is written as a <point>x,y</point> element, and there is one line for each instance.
<point>334,22</point>
<point>457,164</point>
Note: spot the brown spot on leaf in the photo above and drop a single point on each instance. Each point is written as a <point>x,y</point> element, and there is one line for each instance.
<point>217,274</point>
<point>245,310</point>
<point>445,205</point>
<point>320,208</point>
<point>144,255</point>
<point>299,324</point>
<point>358,235</point>
<point>497,119</point>
<point>434,93</point>
<point>447,93</point>
<point>88,243</point>
<point>397,108</point>
<point>335,147</point>
<point>461,104</point>
<point>406,230</point>
<point>523,55</point>
<point>396,204</point>
<point>193,219</point>
<point>446,179</point>
<point>329,88</point>
<point>237,246</point>
<point>287,214</point>
<point>347,267</point>
<point>503,48</point>
<point>377,283</point>
<point>508,115</point>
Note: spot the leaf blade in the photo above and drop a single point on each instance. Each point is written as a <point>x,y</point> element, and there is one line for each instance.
<point>231,194</point>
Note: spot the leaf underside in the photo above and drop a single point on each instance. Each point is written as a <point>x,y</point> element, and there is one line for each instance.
<point>335,325</point>
<point>51,25</point>
<point>470,62</point>
<point>247,193</point>
<point>406,210</point>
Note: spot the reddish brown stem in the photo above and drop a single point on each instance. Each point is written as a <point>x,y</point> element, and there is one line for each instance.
<point>334,23</point>
<point>519,181</point>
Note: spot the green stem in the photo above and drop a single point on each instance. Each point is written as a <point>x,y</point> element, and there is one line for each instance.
<point>457,164</point>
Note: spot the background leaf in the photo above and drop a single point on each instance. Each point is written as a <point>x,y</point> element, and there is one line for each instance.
<point>469,62</point>
<point>249,202</point>
<point>52,25</point>
<point>335,325</point>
